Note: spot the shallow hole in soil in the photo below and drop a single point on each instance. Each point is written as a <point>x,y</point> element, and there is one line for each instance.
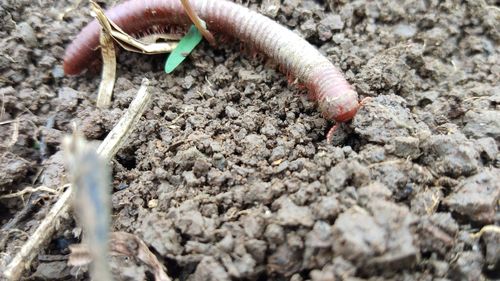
<point>5,214</point>
<point>128,162</point>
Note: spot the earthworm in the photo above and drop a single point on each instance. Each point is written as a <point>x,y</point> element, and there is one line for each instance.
<point>336,98</point>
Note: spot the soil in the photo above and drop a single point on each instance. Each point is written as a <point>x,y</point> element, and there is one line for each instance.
<point>228,175</point>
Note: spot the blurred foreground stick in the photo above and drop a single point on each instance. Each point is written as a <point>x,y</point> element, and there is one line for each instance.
<point>107,149</point>
<point>91,181</point>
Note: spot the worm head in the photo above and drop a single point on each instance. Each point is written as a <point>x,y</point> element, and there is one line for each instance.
<point>340,108</point>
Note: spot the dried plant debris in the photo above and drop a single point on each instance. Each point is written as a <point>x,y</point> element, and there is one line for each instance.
<point>121,244</point>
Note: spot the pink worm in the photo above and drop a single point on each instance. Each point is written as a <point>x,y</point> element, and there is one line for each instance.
<point>336,99</point>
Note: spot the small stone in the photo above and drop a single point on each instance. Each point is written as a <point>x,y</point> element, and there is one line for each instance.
<point>231,112</point>
<point>27,34</point>
<point>249,75</point>
<point>190,178</point>
<point>254,140</point>
<point>270,8</point>
<point>290,214</point>
<point>67,97</point>
<point>405,30</point>
<point>57,270</point>
<point>327,25</point>
<point>373,153</point>
<point>327,208</point>
<point>253,226</point>
<point>227,243</point>
<point>278,153</point>
<point>47,61</point>
<point>58,72</point>
<point>268,130</point>
<point>333,22</point>
<point>373,190</point>
<point>320,236</point>
<point>308,28</point>
<point>219,161</point>
<point>153,203</point>
<point>188,82</point>
<point>186,158</point>
<point>201,167</point>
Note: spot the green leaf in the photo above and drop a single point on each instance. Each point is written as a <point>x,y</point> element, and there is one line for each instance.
<point>186,45</point>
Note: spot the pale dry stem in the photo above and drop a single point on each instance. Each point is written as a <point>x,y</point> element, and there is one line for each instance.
<point>108,77</point>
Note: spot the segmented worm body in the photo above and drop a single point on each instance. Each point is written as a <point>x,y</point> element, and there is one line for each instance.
<point>336,98</point>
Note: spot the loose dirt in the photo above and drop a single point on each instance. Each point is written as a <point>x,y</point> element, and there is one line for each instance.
<point>229,177</point>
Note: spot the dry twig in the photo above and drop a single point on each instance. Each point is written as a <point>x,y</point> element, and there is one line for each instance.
<point>486,228</point>
<point>29,189</point>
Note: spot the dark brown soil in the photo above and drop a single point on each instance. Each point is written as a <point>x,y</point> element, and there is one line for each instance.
<point>229,177</point>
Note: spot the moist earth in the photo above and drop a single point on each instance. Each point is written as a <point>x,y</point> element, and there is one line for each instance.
<point>228,175</point>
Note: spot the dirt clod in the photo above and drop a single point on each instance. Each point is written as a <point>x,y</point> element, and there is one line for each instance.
<point>374,238</point>
<point>477,197</point>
